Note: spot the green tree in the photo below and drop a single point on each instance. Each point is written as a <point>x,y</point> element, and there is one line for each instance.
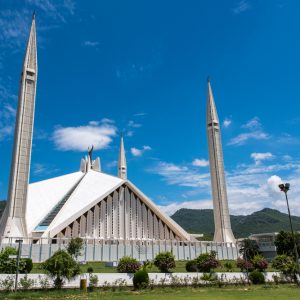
<point>165,261</point>
<point>284,243</point>
<point>249,248</point>
<point>75,247</point>
<point>285,264</point>
<point>61,266</point>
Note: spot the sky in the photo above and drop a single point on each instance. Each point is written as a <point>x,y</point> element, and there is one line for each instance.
<point>140,67</point>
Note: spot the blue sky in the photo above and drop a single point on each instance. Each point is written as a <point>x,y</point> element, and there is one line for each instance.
<point>140,67</point>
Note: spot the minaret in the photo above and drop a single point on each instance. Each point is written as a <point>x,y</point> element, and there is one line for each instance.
<point>122,166</point>
<point>223,232</point>
<point>13,223</point>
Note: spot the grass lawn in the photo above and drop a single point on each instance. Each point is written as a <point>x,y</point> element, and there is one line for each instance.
<point>99,267</point>
<point>281,292</point>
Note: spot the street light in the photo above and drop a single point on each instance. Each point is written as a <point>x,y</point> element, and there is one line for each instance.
<point>285,188</point>
<point>18,262</point>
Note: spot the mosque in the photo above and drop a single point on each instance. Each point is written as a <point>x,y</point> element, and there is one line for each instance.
<point>90,203</point>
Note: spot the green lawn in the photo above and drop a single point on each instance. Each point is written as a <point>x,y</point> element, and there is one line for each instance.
<point>281,292</point>
<point>99,267</point>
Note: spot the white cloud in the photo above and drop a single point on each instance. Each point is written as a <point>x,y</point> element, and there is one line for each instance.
<point>254,123</point>
<point>134,125</point>
<point>139,152</point>
<point>90,43</point>
<point>242,138</point>
<point>241,7</point>
<point>180,175</point>
<point>7,121</point>
<point>259,157</point>
<point>81,137</point>
<point>226,123</point>
<point>197,162</point>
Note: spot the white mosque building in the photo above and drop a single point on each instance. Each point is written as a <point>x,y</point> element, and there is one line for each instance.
<point>89,203</point>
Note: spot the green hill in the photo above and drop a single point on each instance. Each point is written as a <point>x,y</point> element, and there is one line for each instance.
<point>265,220</point>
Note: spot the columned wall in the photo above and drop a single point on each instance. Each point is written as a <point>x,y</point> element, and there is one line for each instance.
<point>121,215</point>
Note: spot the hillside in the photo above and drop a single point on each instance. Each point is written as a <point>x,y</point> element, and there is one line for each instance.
<point>265,220</point>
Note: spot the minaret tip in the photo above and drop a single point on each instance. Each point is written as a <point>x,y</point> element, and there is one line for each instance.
<point>122,165</point>
<point>208,79</point>
<point>33,15</point>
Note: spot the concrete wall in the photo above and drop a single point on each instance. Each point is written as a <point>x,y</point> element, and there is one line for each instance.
<point>117,279</point>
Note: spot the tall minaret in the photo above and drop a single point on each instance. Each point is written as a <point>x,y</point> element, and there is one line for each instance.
<point>13,223</point>
<point>122,166</point>
<point>223,232</point>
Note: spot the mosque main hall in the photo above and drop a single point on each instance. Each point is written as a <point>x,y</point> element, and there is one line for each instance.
<point>90,203</point>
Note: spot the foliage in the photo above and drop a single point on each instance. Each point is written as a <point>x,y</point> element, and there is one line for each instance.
<point>128,264</point>
<point>265,220</point>
<point>140,279</point>
<point>228,265</point>
<point>8,283</point>
<point>284,243</point>
<point>244,265</point>
<point>249,248</point>
<point>93,281</point>
<point>284,264</point>
<point>26,283</point>
<point>207,262</point>
<point>75,247</point>
<point>44,282</point>
<point>259,262</point>
<point>257,277</point>
<point>191,266</point>
<point>90,270</point>
<point>61,266</point>
<point>165,261</point>
<point>9,265</point>
<point>209,277</point>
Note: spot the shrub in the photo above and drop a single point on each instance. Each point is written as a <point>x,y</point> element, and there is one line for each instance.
<point>228,265</point>
<point>26,283</point>
<point>285,264</point>
<point>128,264</point>
<point>165,261</point>
<point>28,265</point>
<point>140,279</point>
<point>9,265</point>
<point>8,283</point>
<point>257,277</point>
<point>260,263</point>
<point>207,262</point>
<point>93,282</point>
<point>191,266</point>
<point>61,266</point>
<point>44,282</point>
<point>244,265</point>
<point>90,270</point>
<point>75,246</point>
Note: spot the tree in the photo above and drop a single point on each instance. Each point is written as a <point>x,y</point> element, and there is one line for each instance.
<point>165,261</point>
<point>61,266</point>
<point>285,264</point>
<point>75,247</point>
<point>249,248</point>
<point>284,243</point>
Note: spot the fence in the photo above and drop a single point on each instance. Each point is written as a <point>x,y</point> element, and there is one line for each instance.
<point>113,250</point>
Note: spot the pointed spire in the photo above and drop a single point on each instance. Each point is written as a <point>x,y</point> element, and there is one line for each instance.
<point>122,165</point>
<point>211,112</point>
<point>30,60</point>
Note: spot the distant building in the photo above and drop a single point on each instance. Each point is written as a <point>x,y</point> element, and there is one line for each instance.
<point>265,243</point>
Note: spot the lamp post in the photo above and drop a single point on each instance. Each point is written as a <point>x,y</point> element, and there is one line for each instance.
<point>285,188</point>
<point>18,262</point>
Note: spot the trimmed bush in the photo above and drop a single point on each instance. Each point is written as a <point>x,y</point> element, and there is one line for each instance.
<point>257,277</point>
<point>260,263</point>
<point>191,266</point>
<point>228,265</point>
<point>90,270</point>
<point>28,265</point>
<point>244,265</point>
<point>165,261</point>
<point>285,264</point>
<point>140,279</point>
<point>206,262</point>
<point>128,264</point>
<point>93,281</point>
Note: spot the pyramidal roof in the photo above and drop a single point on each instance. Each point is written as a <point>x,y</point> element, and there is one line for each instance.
<point>55,203</point>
